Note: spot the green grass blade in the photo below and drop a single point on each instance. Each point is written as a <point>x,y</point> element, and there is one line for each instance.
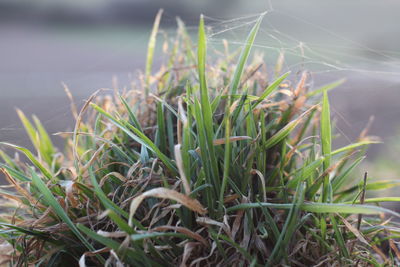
<point>281,134</point>
<point>325,88</point>
<point>243,57</point>
<point>132,116</point>
<point>45,141</point>
<point>285,131</point>
<point>7,160</point>
<point>134,257</point>
<point>103,198</point>
<point>321,208</point>
<point>187,42</point>
<point>139,137</point>
<point>227,159</point>
<point>233,89</point>
<point>338,181</point>
<point>30,130</point>
<point>25,231</point>
<point>16,173</point>
<point>242,251</point>
<point>101,239</point>
<point>38,136</point>
<point>138,237</point>
<point>339,237</point>
<point>382,185</point>
<point>288,227</point>
<point>161,133</point>
<point>170,133</point>
<point>201,60</point>
<point>32,158</point>
<point>377,200</point>
<point>211,193</point>
<point>270,88</point>
<point>270,222</point>
<point>150,49</point>
<point>52,202</point>
<point>378,185</point>
<point>326,142</point>
<point>167,106</point>
<point>305,172</point>
<point>122,224</point>
<point>353,146</point>
<point>206,110</point>
<point>144,140</point>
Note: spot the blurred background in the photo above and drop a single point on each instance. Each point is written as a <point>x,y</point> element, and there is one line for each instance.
<point>86,43</point>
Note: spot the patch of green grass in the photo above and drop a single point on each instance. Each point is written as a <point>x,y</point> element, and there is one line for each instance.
<point>206,162</point>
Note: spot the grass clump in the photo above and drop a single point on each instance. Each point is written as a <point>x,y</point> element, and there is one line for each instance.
<point>203,164</point>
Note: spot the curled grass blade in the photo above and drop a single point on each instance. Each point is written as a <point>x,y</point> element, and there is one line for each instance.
<point>165,193</point>
<point>103,198</point>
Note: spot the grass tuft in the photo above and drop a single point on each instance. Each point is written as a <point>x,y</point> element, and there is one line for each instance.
<point>204,163</point>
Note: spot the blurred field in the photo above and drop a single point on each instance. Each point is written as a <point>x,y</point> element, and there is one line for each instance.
<point>85,45</point>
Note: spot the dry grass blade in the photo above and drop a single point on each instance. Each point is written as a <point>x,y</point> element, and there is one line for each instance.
<point>82,260</point>
<point>165,193</point>
<point>95,155</point>
<point>77,126</point>
<point>354,230</point>
<point>179,163</point>
<point>207,222</point>
<point>262,179</point>
<point>6,251</point>
<point>69,190</point>
<point>184,231</point>
<point>189,247</point>
<point>74,110</point>
<point>19,188</point>
<point>115,174</point>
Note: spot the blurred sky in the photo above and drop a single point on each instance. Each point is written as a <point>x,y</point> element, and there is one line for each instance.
<point>86,43</point>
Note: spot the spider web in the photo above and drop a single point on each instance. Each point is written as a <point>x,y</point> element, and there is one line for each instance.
<point>370,73</point>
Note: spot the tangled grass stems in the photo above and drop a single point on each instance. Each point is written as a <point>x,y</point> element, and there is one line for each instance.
<point>201,164</point>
